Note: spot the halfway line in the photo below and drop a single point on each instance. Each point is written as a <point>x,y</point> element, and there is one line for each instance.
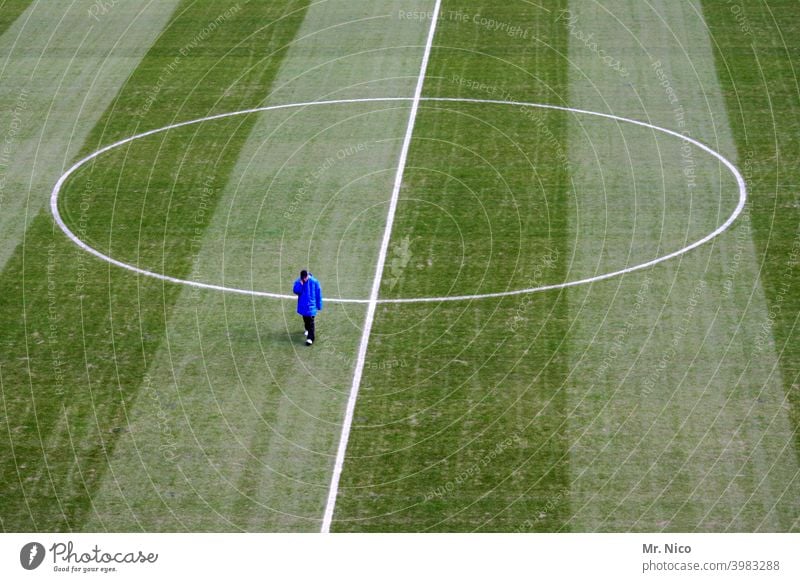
<point>376,282</point>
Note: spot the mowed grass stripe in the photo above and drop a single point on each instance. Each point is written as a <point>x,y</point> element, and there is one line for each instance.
<point>760,85</point>
<point>10,11</point>
<point>253,416</point>
<point>77,364</point>
<point>679,423</point>
<point>461,414</point>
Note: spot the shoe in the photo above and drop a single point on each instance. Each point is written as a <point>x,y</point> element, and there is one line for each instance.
<point>309,342</point>
<point>305,333</point>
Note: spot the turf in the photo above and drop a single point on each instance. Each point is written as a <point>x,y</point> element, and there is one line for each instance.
<point>662,400</point>
<point>89,332</point>
<point>459,424</point>
<point>61,70</point>
<point>10,11</point>
<point>656,352</point>
<point>253,415</point>
<point>627,418</point>
<point>757,69</point>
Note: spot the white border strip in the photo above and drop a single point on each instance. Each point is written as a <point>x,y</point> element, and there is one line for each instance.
<point>376,282</point>
<point>251,292</point>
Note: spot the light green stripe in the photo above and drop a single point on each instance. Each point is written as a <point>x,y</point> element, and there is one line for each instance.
<point>680,421</point>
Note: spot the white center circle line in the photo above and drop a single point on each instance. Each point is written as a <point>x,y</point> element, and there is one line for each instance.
<point>255,293</point>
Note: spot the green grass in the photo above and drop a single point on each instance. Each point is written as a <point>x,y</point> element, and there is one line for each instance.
<point>89,332</point>
<point>593,446</point>
<point>463,428</point>
<point>129,404</point>
<point>253,415</point>
<point>10,11</point>
<point>61,70</point>
<point>758,70</point>
<point>677,421</point>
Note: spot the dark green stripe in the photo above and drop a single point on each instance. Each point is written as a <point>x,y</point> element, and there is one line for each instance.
<point>460,423</point>
<point>92,329</point>
<point>757,59</point>
<point>10,11</point>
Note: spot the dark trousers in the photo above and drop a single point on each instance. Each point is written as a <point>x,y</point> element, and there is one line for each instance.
<point>308,322</point>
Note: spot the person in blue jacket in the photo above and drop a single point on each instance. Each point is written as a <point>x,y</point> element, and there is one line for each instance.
<point>309,302</point>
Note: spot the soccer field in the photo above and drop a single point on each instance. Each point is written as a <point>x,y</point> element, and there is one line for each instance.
<point>559,244</point>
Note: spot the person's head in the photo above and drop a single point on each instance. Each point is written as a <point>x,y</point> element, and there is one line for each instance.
<point>304,275</point>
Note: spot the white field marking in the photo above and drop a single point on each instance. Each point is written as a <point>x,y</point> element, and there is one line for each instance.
<point>376,282</point>
<point>722,228</point>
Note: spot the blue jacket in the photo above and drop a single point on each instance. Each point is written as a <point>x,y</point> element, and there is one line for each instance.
<point>309,296</point>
